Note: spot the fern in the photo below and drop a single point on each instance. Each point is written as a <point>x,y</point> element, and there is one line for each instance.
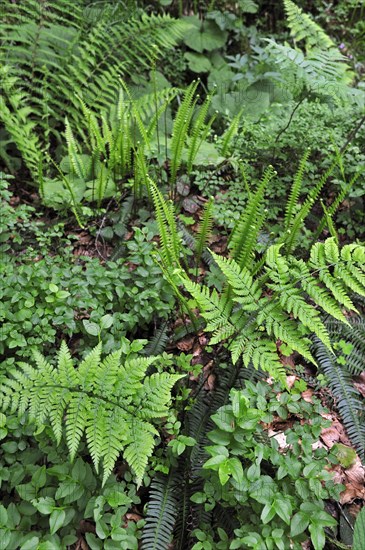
<point>112,403</point>
<point>162,510</point>
<point>295,192</point>
<point>348,399</point>
<point>181,127</point>
<point>322,71</point>
<point>205,228</point>
<point>302,27</point>
<point>61,55</point>
<point>244,235</point>
<point>256,311</point>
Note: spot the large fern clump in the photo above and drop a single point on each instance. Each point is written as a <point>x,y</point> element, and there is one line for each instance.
<point>55,54</point>
<point>281,303</point>
<point>111,401</point>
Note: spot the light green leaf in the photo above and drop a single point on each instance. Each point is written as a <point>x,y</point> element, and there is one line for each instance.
<point>56,520</point>
<point>299,524</point>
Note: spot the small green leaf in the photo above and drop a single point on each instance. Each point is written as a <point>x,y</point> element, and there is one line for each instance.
<point>91,328</point>
<point>56,520</point>
<point>198,498</point>
<point>345,455</point>
<point>3,516</point>
<point>52,287</point>
<point>39,477</point>
<point>359,531</point>
<point>106,321</point>
<point>318,537</point>
<point>299,524</point>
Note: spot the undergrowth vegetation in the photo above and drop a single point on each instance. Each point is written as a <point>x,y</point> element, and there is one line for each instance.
<point>182,357</point>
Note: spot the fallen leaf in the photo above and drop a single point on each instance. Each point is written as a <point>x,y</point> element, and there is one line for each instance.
<point>133,517</point>
<point>359,383</point>
<point>189,205</point>
<point>209,383</point>
<point>290,381</point>
<point>186,344</point>
<point>307,395</point>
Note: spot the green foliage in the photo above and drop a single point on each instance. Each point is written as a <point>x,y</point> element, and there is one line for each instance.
<point>339,370</point>
<point>112,402</point>
<point>275,492</point>
<point>302,27</point>
<point>161,513</point>
<point>45,497</point>
<point>253,312</point>
<point>56,57</point>
<point>67,295</point>
<point>359,531</point>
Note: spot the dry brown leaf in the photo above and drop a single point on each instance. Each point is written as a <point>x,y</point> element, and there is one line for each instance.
<point>133,517</point>
<point>81,545</point>
<point>334,434</point>
<point>307,395</point>
<point>290,381</point>
<point>359,383</point>
<point>209,383</point>
<point>354,481</point>
<point>186,344</point>
<point>280,438</point>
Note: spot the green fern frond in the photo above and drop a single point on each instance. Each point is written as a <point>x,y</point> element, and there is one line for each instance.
<point>162,510</point>
<point>111,402</point>
<point>295,192</point>
<point>205,227</point>
<point>348,399</point>
<point>170,242</point>
<point>244,235</point>
<point>181,127</point>
<point>199,132</point>
<point>255,312</point>
<point>302,27</point>
<point>61,58</point>
<point>230,133</point>
<point>291,236</point>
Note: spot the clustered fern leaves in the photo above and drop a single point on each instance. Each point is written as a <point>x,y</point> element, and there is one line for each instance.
<point>61,52</point>
<point>282,303</point>
<point>340,369</point>
<point>322,71</point>
<point>112,402</point>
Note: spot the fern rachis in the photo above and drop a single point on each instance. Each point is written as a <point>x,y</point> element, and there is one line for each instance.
<point>112,402</point>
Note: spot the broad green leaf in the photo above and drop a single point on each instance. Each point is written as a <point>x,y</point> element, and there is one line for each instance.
<point>318,537</point>
<point>56,520</point>
<point>299,524</point>
<point>204,35</point>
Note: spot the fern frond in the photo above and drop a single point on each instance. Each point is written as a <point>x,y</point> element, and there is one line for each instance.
<point>295,192</point>
<point>111,402</point>
<point>199,133</point>
<point>244,235</point>
<point>170,241</point>
<point>348,399</point>
<point>162,510</point>
<point>181,127</point>
<point>255,312</point>
<point>302,27</point>
<point>205,227</point>
<point>140,447</point>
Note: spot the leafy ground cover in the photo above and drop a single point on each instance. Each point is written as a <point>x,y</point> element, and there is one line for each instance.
<point>182,276</point>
